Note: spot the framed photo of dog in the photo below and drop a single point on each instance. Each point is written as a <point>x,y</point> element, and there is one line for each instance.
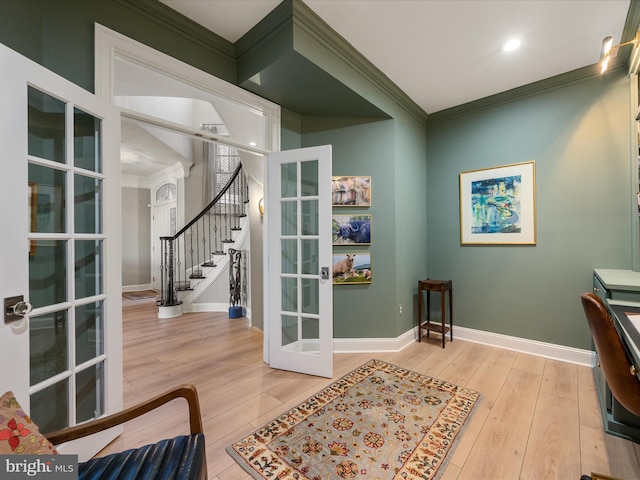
<point>352,268</point>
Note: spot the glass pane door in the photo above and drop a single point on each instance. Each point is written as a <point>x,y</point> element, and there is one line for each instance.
<point>66,283</point>
<point>299,235</point>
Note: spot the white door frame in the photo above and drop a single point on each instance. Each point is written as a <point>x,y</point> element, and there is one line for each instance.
<point>110,44</point>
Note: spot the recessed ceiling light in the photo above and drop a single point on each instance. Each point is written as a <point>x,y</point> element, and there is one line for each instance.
<point>511,45</point>
<point>253,144</point>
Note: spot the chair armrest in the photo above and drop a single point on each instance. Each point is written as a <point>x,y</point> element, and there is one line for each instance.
<point>187,391</point>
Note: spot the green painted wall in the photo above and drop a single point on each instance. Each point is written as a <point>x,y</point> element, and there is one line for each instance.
<point>290,130</point>
<point>410,218</point>
<point>579,136</point>
<point>365,310</point>
<point>392,152</point>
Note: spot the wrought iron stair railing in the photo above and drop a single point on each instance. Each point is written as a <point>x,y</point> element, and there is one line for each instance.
<point>185,255</point>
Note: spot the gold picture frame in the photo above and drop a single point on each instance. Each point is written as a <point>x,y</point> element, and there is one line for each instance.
<point>352,268</point>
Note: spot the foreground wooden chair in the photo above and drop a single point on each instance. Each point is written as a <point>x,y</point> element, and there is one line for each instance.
<point>180,458</point>
<point>618,370</point>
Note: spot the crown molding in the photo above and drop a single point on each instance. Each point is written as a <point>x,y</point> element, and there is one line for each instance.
<point>630,28</point>
<point>529,90</point>
<point>309,22</point>
<point>176,22</point>
<point>297,14</point>
<point>277,21</point>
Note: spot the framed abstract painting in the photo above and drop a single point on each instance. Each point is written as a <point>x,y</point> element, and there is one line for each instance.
<point>498,205</point>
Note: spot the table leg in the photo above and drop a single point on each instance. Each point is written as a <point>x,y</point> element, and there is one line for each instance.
<point>443,314</point>
<point>451,313</point>
<point>428,311</point>
<point>419,313</point>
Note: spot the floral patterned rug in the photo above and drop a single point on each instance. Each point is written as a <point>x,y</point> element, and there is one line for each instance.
<point>377,422</point>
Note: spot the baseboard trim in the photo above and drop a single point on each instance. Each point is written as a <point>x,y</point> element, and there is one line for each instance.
<point>217,307</point>
<point>137,288</point>
<point>362,345</point>
<point>578,356</point>
<point>209,307</point>
<point>523,345</point>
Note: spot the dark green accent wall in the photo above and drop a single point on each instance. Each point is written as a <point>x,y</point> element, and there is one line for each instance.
<point>579,136</point>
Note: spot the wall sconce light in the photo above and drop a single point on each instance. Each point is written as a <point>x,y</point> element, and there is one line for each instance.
<point>261,207</point>
<point>610,50</point>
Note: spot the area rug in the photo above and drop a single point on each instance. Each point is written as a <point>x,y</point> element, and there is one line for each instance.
<point>140,295</point>
<point>378,422</point>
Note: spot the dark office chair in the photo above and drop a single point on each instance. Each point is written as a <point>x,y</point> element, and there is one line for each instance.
<point>618,370</point>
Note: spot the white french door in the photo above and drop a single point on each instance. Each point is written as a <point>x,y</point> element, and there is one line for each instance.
<point>60,198</point>
<point>299,291</point>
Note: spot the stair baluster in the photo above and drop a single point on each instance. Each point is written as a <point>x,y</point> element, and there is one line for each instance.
<point>182,261</point>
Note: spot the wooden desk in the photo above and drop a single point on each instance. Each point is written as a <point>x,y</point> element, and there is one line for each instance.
<point>629,334</point>
<point>441,286</point>
<point>620,292</point>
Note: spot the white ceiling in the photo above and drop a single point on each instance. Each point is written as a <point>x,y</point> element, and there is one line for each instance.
<point>444,53</point>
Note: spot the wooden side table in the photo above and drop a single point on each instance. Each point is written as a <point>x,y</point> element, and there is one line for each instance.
<point>441,286</point>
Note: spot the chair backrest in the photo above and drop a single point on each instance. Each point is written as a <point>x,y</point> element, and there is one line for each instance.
<point>614,361</point>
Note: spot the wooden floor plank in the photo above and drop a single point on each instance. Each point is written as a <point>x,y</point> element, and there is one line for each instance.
<point>489,380</point>
<point>552,451</point>
<point>501,444</point>
<point>560,379</point>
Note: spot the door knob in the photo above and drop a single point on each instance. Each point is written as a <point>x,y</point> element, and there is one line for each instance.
<point>15,308</point>
<point>324,273</point>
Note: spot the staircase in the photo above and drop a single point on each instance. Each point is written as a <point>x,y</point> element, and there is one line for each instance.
<point>194,257</point>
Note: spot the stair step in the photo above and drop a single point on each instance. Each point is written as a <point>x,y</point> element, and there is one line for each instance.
<point>196,274</point>
<point>209,264</point>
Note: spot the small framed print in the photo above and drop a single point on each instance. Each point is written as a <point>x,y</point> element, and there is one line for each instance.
<point>351,268</point>
<point>351,191</point>
<point>351,229</point>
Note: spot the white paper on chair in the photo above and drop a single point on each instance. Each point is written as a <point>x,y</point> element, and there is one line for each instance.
<point>634,318</point>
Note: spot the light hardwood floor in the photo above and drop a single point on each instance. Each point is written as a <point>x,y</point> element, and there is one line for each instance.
<point>537,419</point>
